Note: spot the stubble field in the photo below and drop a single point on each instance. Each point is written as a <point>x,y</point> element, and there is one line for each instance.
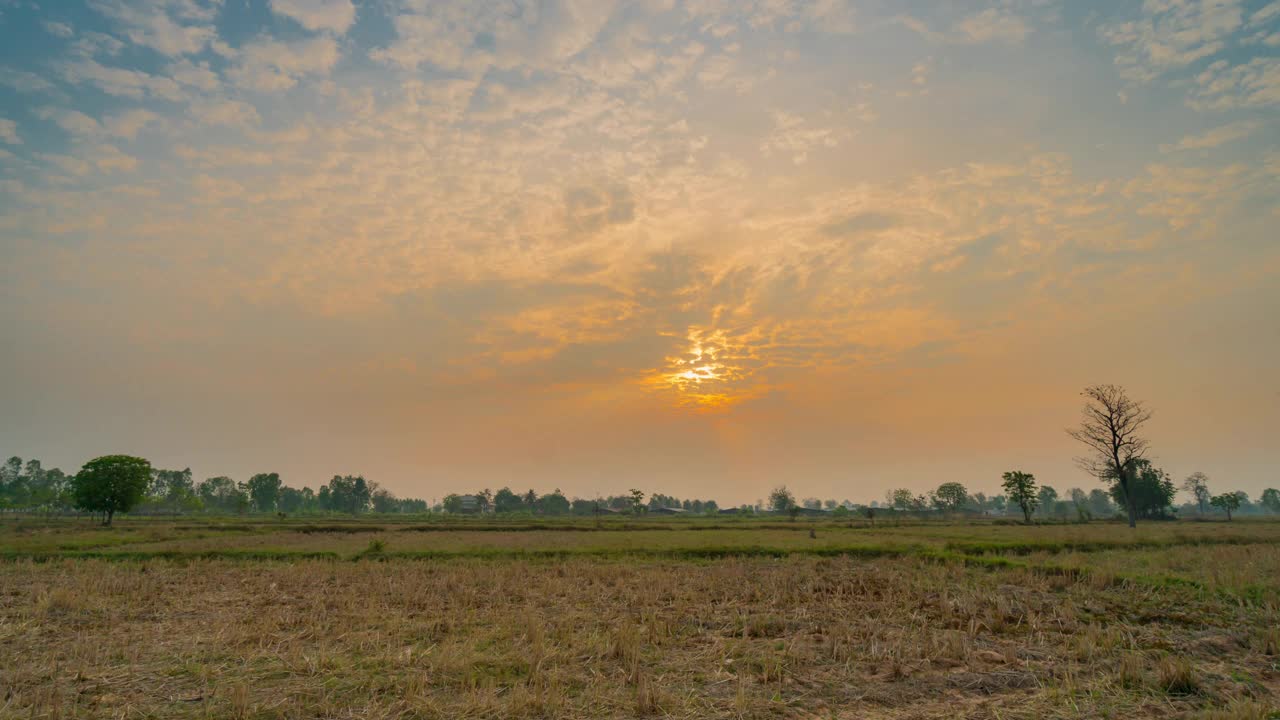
<point>677,619</point>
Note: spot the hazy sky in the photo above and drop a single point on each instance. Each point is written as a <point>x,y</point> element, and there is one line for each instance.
<point>701,248</point>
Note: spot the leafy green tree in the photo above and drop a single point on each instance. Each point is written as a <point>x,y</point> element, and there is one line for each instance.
<point>1079,501</point>
<point>54,490</point>
<point>13,485</point>
<point>171,486</point>
<point>293,500</point>
<point>530,500</point>
<point>506,501</point>
<point>112,484</point>
<point>1229,502</point>
<point>1245,504</point>
<point>904,499</point>
<point>658,500</point>
<point>781,500</point>
<point>554,503</point>
<point>1197,485</point>
<point>1020,487</point>
<point>978,501</point>
<point>34,478</point>
<point>998,504</point>
<point>951,496</point>
<point>452,503</point>
<point>1150,492</point>
<point>1100,504</point>
<point>1271,500</point>
<point>12,469</point>
<point>350,494</point>
<point>223,495</point>
<point>384,501</point>
<point>413,505</point>
<point>264,491</point>
<point>1047,497</point>
<point>637,501</point>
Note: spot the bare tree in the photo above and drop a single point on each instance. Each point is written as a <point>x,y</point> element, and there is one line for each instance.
<point>1197,483</point>
<point>1109,428</point>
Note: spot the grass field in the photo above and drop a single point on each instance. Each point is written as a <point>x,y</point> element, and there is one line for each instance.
<point>680,618</point>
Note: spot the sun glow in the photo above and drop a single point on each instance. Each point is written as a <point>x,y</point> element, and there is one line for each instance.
<point>709,374</point>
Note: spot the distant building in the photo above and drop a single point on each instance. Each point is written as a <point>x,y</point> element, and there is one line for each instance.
<point>801,510</point>
<point>666,511</point>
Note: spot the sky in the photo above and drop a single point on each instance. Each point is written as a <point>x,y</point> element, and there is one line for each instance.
<point>701,248</point>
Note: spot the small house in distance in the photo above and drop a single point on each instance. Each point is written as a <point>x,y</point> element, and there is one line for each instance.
<point>666,511</point>
<point>800,510</point>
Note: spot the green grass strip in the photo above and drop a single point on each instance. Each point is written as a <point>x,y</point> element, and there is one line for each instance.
<point>1055,547</point>
<point>176,555</point>
<point>702,553</point>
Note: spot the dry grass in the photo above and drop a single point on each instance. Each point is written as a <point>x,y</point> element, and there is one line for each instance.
<point>1249,571</point>
<point>679,619</point>
<point>732,638</point>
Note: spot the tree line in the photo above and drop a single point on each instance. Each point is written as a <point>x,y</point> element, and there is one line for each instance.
<point>121,483</point>
<point>1111,430</point>
<point>508,502</point>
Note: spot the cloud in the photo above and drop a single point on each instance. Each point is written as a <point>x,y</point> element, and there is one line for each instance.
<point>74,122</point>
<point>859,223</point>
<point>921,71</point>
<point>269,65</point>
<point>58,29</point>
<point>1223,86</point>
<point>23,81</point>
<point>793,136</point>
<point>1172,34</point>
<point>122,82</point>
<point>9,132</point>
<point>170,27</point>
<point>109,158</point>
<point>824,16</point>
<point>229,113</point>
<point>992,25</point>
<point>334,16</point>
<point>196,75</point>
<point>128,123</point>
<point>1213,138</point>
<point>577,210</point>
<point>588,209</point>
<point>66,163</point>
<point>1195,197</point>
<point>90,44</point>
<point>475,36</point>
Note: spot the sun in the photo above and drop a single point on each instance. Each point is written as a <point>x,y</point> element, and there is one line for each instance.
<point>701,373</point>
<point>708,374</point>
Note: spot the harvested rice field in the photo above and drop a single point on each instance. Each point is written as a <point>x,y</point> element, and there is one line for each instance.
<point>752,620</point>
